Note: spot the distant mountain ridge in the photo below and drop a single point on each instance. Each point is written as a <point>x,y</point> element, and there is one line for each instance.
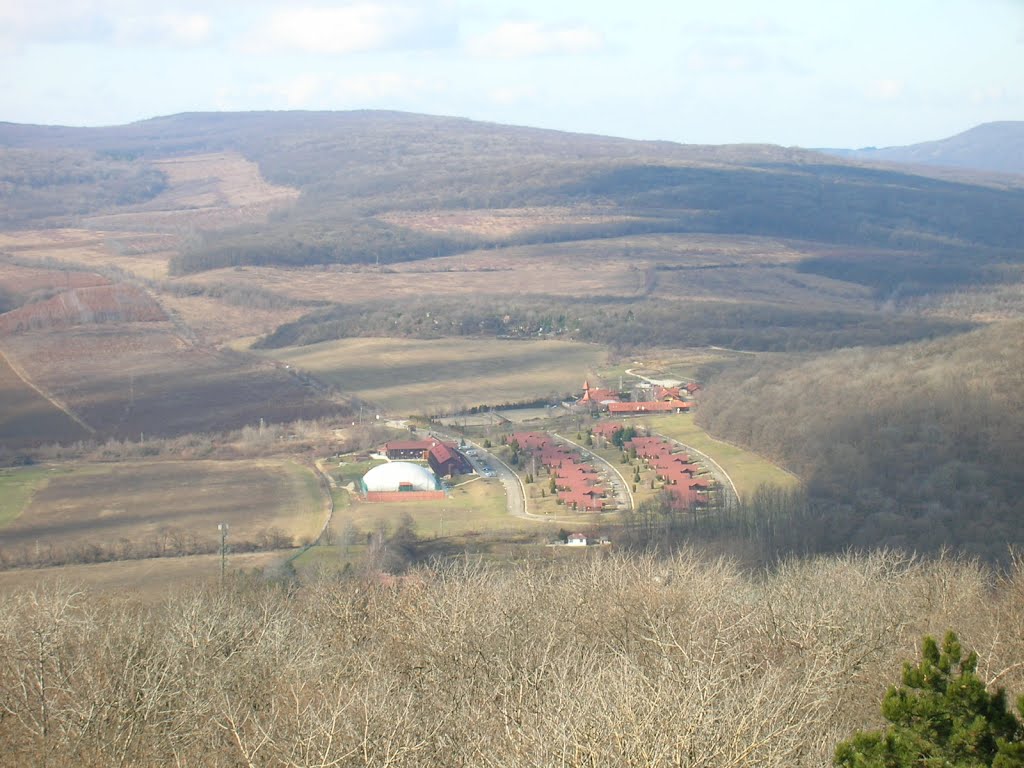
<point>368,183</point>
<point>995,147</point>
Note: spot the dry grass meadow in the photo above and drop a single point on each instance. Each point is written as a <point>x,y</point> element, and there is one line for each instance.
<point>129,505</point>
<point>408,376</point>
<point>148,580</point>
<point>142,254</point>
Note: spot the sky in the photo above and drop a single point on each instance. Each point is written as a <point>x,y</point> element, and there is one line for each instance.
<point>795,73</point>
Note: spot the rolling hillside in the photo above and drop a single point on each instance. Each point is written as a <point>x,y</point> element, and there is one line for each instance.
<point>283,230</point>
<point>997,147</point>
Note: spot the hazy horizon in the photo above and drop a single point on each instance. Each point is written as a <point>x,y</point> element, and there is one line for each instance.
<point>794,74</point>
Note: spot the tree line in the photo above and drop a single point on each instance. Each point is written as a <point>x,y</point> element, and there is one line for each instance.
<point>620,324</point>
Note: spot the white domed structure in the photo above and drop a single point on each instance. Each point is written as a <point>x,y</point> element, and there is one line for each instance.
<point>400,476</point>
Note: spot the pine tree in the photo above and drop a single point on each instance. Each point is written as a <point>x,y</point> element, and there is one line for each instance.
<point>942,717</point>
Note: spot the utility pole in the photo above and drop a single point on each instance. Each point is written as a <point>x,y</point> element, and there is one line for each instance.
<point>223,528</point>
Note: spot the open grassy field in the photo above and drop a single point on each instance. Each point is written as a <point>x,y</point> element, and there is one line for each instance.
<point>473,508</point>
<point>26,417</point>
<point>747,470</point>
<point>504,222</point>
<point>475,515</point>
<point>674,266</point>
<point>406,376</point>
<point>16,488</point>
<point>152,579</point>
<point>163,505</point>
<point>139,253</point>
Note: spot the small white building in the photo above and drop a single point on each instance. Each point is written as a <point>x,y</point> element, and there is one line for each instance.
<point>576,540</point>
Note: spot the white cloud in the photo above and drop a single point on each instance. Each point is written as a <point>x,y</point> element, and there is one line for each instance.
<point>521,39</point>
<point>356,27</point>
<point>116,22</point>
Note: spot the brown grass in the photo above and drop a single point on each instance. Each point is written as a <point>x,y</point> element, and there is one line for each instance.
<point>119,303</point>
<point>137,501</point>
<point>210,191</point>
<point>407,376</point>
<point>141,254</point>
<point>220,323</point>
<point>154,579</point>
<point>502,222</point>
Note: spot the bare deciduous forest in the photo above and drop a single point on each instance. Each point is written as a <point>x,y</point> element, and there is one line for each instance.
<point>916,446</point>
<point>613,660</point>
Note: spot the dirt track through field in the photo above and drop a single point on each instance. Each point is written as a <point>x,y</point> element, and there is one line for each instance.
<point>20,373</point>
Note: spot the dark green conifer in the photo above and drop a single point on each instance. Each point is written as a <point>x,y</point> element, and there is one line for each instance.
<point>942,716</point>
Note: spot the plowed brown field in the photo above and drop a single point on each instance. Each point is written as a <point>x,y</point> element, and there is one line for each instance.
<point>28,418</point>
<point>129,379</point>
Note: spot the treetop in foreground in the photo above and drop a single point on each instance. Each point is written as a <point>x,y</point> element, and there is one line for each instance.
<point>942,716</point>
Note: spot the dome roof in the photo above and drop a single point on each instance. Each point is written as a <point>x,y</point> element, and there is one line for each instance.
<point>395,475</point>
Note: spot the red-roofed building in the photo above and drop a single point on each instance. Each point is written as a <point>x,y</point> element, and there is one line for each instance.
<point>530,441</point>
<point>412,449</point>
<point>447,461</point>
<point>606,429</point>
<point>599,398</point>
<point>666,393</point>
<point>650,406</point>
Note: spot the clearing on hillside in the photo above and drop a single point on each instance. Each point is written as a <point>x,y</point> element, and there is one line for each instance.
<point>209,191</point>
<point>140,253</point>
<point>409,376</point>
<point>135,509</point>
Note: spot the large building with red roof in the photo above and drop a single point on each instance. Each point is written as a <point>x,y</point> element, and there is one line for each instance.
<point>444,458</point>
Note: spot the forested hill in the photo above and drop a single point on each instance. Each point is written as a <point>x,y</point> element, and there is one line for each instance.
<point>916,446</point>
<point>357,170</point>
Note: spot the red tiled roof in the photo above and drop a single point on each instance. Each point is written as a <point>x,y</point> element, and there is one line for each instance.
<point>607,429</point>
<point>441,453</point>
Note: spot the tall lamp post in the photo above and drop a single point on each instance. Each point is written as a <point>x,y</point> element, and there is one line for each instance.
<point>223,528</point>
